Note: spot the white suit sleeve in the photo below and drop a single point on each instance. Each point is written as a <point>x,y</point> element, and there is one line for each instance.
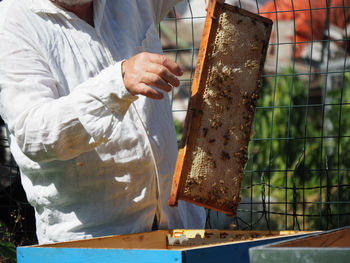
<point>48,126</point>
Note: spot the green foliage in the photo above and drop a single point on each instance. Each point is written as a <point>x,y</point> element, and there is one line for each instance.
<point>179,130</point>
<point>13,236</point>
<point>7,251</point>
<point>300,151</point>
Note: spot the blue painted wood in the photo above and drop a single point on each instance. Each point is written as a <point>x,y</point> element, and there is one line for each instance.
<point>79,255</point>
<point>234,253</point>
<point>237,252</point>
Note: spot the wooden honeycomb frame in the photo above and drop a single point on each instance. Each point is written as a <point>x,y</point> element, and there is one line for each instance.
<point>224,92</point>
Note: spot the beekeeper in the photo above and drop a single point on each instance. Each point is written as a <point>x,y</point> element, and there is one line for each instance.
<point>83,91</point>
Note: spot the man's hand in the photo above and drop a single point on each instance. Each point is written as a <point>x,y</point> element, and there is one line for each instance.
<point>144,70</point>
<point>207,3</point>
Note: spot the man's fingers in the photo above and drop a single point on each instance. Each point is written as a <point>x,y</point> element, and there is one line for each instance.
<point>164,73</point>
<point>144,70</point>
<point>156,81</point>
<point>147,91</point>
<point>168,63</point>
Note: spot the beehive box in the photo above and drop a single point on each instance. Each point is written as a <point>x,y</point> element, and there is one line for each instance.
<point>219,118</point>
<point>178,246</point>
<point>329,246</point>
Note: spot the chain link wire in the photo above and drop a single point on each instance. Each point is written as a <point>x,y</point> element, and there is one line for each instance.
<point>297,175</point>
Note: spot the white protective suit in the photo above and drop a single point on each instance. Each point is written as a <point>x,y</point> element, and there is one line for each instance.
<point>94,159</point>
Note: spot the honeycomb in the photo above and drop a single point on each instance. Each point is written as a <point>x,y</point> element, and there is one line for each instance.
<point>220,123</point>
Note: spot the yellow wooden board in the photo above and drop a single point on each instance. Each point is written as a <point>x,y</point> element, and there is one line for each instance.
<point>160,239</point>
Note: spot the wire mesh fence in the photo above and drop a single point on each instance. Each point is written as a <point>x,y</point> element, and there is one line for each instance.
<point>297,175</point>
<point>298,171</point>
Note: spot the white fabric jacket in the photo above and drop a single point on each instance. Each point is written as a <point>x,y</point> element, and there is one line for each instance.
<point>94,159</point>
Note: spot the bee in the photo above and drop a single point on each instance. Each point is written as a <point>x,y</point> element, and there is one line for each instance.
<point>237,154</point>
<point>205,132</point>
<point>216,124</point>
<point>225,155</point>
<point>226,137</point>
